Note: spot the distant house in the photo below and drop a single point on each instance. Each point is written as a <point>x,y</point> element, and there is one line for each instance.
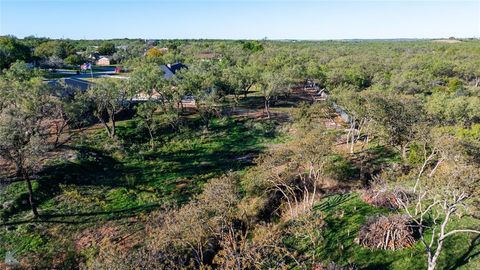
<point>170,69</point>
<point>103,61</point>
<point>93,56</point>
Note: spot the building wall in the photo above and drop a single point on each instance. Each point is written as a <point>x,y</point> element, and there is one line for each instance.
<point>103,62</point>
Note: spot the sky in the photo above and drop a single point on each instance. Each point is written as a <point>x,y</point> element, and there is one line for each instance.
<point>240,19</point>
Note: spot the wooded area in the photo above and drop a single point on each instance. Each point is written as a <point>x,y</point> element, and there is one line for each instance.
<point>241,159</point>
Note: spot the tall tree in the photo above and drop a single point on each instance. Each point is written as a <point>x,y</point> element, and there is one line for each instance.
<point>108,97</point>
<point>11,50</point>
<point>107,48</point>
<point>272,85</point>
<point>23,136</point>
<point>398,115</point>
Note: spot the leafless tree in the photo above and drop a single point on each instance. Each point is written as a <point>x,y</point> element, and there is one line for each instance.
<point>444,196</point>
<point>297,171</point>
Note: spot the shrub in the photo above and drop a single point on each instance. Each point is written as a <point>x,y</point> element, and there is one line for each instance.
<point>110,257</point>
<point>262,249</point>
<point>386,232</point>
<point>188,237</point>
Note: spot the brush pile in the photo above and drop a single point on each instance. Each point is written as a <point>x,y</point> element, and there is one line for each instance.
<point>386,232</point>
<point>380,198</point>
<point>379,195</point>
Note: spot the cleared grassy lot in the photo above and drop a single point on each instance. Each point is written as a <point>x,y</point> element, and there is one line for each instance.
<point>95,184</point>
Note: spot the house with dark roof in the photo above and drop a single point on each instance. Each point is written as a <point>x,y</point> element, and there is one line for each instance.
<point>170,69</point>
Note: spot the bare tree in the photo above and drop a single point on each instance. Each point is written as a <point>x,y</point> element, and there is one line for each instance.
<point>442,198</point>
<point>190,232</point>
<point>264,249</point>
<point>23,136</point>
<point>359,111</point>
<point>297,172</point>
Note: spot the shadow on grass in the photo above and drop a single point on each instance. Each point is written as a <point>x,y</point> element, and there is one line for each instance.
<point>171,172</point>
<point>371,161</point>
<point>258,102</point>
<point>90,168</point>
<point>344,214</point>
<point>471,253</point>
<point>224,147</point>
<point>252,102</point>
<point>378,266</point>
<point>328,203</point>
<point>342,169</point>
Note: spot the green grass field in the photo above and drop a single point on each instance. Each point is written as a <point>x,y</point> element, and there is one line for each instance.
<point>114,184</point>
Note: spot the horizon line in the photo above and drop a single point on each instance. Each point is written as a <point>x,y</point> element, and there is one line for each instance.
<point>250,39</point>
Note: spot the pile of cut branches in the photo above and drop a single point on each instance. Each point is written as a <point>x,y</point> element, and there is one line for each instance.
<point>379,195</point>
<point>386,232</point>
<point>380,198</point>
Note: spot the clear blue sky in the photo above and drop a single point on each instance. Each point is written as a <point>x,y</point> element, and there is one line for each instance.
<point>237,19</point>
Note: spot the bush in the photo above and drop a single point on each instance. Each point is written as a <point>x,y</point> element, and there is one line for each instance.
<point>262,249</point>
<point>386,232</point>
<point>187,237</point>
<point>111,257</point>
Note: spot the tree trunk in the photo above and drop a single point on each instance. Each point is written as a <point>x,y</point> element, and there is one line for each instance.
<point>113,133</point>
<point>436,167</point>
<point>18,168</point>
<point>30,197</point>
<point>246,89</point>
<point>351,138</point>
<point>352,144</point>
<point>152,142</point>
<point>105,125</point>
<point>404,150</point>
<point>181,106</point>
<point>59,131</point>
<point>432,259</point>
<point>267,108</point>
